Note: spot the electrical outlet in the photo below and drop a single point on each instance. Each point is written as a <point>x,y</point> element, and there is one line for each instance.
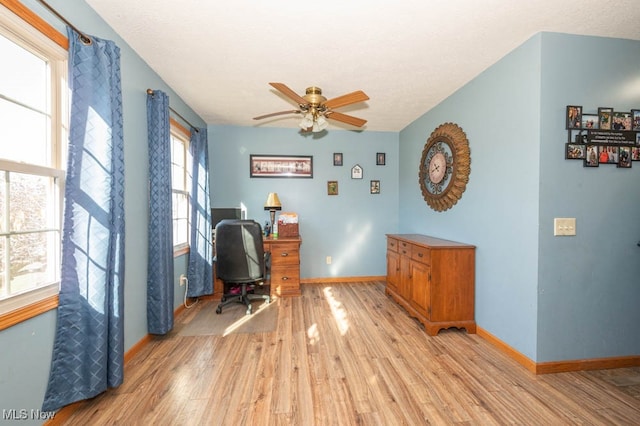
<point>183,279</point>
<point>328,260</point>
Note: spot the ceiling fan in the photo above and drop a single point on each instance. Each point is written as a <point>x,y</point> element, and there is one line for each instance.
<point>315,108</point>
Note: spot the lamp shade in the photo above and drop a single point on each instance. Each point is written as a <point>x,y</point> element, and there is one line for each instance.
<point>273,202</point>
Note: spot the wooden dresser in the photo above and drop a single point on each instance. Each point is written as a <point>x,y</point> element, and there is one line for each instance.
<point>285,267</point>
<point>433,279</point>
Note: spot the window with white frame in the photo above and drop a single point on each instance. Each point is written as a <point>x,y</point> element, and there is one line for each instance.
<point>181,184</point>
<point>33,126</point>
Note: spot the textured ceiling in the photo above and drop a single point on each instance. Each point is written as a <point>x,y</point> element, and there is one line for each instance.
<point>407,55</point>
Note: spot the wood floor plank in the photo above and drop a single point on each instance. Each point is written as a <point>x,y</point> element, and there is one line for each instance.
<point>345,354</point>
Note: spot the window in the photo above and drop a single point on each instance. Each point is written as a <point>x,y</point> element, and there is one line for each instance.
<point>181,184</point>
<point>33,125</point>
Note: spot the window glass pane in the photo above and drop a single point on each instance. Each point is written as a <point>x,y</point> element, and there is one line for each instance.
<point>32,265</point>
<point>180,185</point>
<point>178,152</point>
<point>180,222</point>
<point>177,178</point>
<point>177,164</point>
<point>181,229</point>
<point>30,208</point>
<point>3,268</point>
<point>3,200</point>
<point>24,134</point>
<point>26,79</point>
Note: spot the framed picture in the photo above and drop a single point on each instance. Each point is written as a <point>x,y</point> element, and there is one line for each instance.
<point>580,137</point>
<point>624,157</point>
<point>607,154</point>
<point>574,116</point>
<point>591,156</point>
<point>575,151</point>
<point>589,121</point>
<point>635,153</point>
<point>605,115</point>
<point>281,166</point>
<point>337,159</point>
<point>356,172</point>
<point>635,119</point>
<point>374,187</point>
<point>332,187</point>
<point>621,121</point>
<point>381,159</point>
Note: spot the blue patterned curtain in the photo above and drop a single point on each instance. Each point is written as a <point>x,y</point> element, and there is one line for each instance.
<point>199,270</point>
<point>88,351</point>
<point>160,261</point>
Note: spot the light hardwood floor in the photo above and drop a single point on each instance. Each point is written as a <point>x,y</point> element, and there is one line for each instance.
<point>345,354</point>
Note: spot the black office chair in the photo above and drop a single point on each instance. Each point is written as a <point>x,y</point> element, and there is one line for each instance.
<point>240,261</point>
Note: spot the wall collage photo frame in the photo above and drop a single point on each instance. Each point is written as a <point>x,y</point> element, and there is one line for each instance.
<point>605,137</point>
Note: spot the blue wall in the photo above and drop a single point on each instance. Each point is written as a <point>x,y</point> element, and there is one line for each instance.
<point>498,212</point>
<point>589,287</point>
<point>550,298</point>
<point>25,354</point>
<point>350,227</point>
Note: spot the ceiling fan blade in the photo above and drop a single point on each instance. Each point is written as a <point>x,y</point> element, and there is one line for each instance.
<point>273,114</point>
<point>348,99</point>
<point>349,119</point>
<point>285,90</point>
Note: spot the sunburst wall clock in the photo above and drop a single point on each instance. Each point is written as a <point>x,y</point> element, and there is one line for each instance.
<point>444,167</point>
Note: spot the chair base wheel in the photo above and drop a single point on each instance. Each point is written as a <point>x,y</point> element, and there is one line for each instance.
<point>219,310</point>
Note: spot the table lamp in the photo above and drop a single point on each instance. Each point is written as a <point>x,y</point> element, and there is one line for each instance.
<point>273,204</point>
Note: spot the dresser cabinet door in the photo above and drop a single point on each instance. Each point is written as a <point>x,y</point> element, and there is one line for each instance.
<point>421,288</point>
<point>393,270</point>
<point>404,285</point>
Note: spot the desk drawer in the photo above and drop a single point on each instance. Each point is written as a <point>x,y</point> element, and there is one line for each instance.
<point>285,278</point>
<point>284,254</point>
<point>421,254</point>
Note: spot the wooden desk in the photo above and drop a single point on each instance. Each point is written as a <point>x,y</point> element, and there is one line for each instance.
<point>285,267</point>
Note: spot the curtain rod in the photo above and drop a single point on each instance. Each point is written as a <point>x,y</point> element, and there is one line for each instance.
<point>85,38</point>
<point>150,92</point>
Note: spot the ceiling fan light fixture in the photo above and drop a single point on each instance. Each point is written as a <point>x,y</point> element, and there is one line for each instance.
<point>320,124</point>
<point>307,121</point>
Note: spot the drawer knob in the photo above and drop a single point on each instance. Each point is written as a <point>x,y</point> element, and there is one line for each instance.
<point>284,254</point>
<point>419,254</point>
<point>285,278</point>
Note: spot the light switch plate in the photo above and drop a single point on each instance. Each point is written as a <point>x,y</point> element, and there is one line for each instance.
<point>564,226</point>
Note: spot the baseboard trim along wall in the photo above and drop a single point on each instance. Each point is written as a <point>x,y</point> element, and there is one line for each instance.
<point>333,280</point>
<point>559,366</point>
